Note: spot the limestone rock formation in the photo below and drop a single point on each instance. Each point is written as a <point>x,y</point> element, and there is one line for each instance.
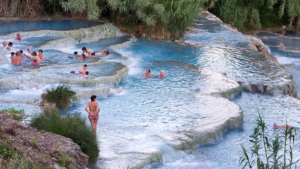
<point>261,47</point>
<point>44,147</point>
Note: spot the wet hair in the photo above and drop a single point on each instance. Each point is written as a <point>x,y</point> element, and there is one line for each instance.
<point>93,97</point>
<point>107,52</point>
<point>34,60</point>
<point>34,53</point>
<point>75,53</point>
<point>87,72</point>
<point>84,48</point>
<point>148,70</point>
<point>83,55</point>
<point>85,65</point>
<point>18,34</point>
<point>12,53</point>
<point>10,44</point>
<point>21,51</point>
<point>17,53</point>
<point>4,42</point>
<point>41,51</point>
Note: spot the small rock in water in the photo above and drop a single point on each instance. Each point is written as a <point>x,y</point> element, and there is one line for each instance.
<point>191,43</point>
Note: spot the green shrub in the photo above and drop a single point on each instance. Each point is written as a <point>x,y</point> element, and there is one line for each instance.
<point>7,151</point>
<point>71,126</point>
<point>18,114</point>
<point>21,162</point>
<point>62,96</point>
<point>270,152</point>
<point>64,159</point>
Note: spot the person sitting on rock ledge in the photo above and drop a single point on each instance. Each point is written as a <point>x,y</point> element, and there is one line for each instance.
<point>19,38</point>
<point>147,74</point>
<point>90,52</point>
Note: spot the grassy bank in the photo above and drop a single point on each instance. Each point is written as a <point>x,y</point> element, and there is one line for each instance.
<point>72,126</point>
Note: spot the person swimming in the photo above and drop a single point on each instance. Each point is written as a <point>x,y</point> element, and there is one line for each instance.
<point>161,74</point>
<point>4,44</point>
<point>81,71</point>
<point>19,38</point>
<point>284,127</point>
<point>86,74</point>
<point>93,112</point>
<point>81,57</point>
<point>35,62</point>
<point>90,52</point>
<point>102,52</point>
<point>75,53</point>
<point>147,74</point>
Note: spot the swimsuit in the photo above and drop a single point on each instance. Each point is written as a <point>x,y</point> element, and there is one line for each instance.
<point>94,116</point>
<point>70,57</point>
<point>93,54</point>
<point>34,64</point>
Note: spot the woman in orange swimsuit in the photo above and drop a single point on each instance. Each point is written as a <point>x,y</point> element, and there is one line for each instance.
<point>93,113</point>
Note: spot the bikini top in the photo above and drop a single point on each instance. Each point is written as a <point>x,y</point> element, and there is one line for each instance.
<point>34,63</point>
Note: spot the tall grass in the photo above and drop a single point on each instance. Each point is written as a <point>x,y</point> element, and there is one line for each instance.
<point>71,126</point>
<point>269,152</point>
<point>17,114</point>
<point>62,96</point>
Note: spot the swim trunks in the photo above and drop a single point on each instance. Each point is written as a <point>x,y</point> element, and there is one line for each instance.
<point>93,54</point>
<point>73,72</point>
<point>70,57</point>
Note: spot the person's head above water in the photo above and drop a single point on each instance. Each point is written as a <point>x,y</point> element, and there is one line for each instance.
<point>12,53</point>
<point>21,51</point>
<point>40,51</point>
<point>93,98</point>
<point>18,35</point>
<point>83,48</point>
<point>162,74</point>
<point>148,70</point>
<point>10,44</point>
<point>17,53</point>
<point>4,44</point>
<point>106,52</point>
<point>75,53</point>
<point>82,56</point>
<point>85,67</point>
<point>34,53</point>
<point>35,60</point>
<point>87,73</point>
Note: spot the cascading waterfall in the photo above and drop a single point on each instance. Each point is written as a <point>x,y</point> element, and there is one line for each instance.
<point>154,123</point>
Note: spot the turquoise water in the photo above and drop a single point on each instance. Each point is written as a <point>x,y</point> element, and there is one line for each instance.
<point>142,117</point>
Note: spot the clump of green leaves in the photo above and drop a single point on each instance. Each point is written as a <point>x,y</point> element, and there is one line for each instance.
<point>72,126</point>
<point>62,96</point>
<point>64,159</point>
<point>7,151</point>
<point>18,114</point>
<point>269,152</point>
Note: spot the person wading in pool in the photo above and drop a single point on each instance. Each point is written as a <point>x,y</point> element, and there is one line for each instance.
<point>40,55</point>
<point>19,38</point>
<point>90,52</point>
<point>93,111</point>
<point>147,74</point>
<point>161,74</point>
<point>4,44</point>
<point>10,45</point>
<point>34,56</point>
<point>81,71</point>
<point>16,60</point>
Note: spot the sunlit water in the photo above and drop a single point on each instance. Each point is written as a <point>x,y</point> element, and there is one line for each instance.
<point>138,113</point>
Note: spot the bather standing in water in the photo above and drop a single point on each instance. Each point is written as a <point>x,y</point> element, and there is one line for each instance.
<point>16,60</point>
<point>147,74</point>
<point>34,56</point>
<point>19,38</point>
<point>90,52</point>
<point>4,44</point>
<point>40,55</point>
<point>10,44</point>
<point>161,74</point>
<point>94,110</point>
